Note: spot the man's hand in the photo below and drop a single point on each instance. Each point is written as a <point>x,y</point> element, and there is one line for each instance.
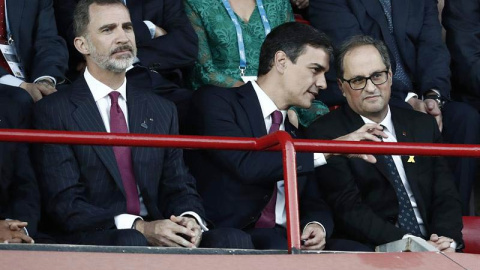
<point>38,90</point>
<point>314,237</point>
<point>159,31</point>
<point>441,242</point>
<point>191,224</point>
<point>300,4</point>
<point>165,233</point>
<point>428,106</point>
<point>368,132</point>
<point>11,231</point>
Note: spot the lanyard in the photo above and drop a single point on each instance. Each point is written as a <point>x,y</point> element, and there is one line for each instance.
<point>9,35</point>
<point>241,44</point>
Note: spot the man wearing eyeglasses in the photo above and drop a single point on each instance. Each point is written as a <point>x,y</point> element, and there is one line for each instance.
<point>398,196</point>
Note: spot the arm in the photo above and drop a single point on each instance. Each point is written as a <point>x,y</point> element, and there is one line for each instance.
<point>461,19</point>
<point>177,48</point>
<point>50,52</point>
<point>251,167</point>
<point>205,70</point>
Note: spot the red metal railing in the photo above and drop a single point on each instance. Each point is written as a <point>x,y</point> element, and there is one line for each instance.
<point>278,141</point>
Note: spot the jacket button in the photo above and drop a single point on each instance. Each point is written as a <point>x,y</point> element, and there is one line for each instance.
<point>299,167</point>
<point>265,198</point>
<point>252,218</point>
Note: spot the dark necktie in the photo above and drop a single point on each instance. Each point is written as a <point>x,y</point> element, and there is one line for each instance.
<point>123,156</point>
<point>267,218</point>
<point>400,73</point>
<point>406,215</point>
<point>3,36</point>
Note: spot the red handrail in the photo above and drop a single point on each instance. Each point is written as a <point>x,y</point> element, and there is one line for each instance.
<point>278,141</point>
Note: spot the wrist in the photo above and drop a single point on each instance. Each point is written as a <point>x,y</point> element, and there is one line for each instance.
<point>46,81</point>
<point>139,225</point>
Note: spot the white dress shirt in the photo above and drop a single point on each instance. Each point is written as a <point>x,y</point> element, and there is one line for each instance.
<point>390,131</point>
<point>100,93</point>
<point>268,107</point>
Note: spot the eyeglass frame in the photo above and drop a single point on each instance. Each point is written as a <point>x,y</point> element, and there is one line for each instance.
<point>366,80</point>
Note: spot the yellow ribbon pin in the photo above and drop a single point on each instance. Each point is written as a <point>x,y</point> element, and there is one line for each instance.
<point>411,159</point>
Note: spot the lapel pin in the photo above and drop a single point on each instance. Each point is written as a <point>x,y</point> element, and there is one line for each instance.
<point>411,159</point>
<point>151,119</point>
<point>144,125</point>
<point>293,133</point>
<point>404,133</point>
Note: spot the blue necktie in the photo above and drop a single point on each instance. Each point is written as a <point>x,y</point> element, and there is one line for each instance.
<point>406,215</point>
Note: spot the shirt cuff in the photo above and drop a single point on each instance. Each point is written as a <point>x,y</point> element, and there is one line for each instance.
<point>410,95</point>
<point>125,221</point>
<point>198,218</point>
<point>10,80</point>
<point>318,223</point>
<point>319,159</point>
<point>46,77</point>
<point>151,27</point>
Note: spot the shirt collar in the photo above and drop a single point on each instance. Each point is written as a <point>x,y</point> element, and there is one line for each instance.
<point>266,103</point>
<point>100,90</point>
<point>386,122</point>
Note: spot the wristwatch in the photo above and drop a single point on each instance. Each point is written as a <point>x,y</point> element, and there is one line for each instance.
<point>435,97</point>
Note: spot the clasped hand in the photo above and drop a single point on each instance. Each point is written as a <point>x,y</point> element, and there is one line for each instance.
<point>11,231</point>
<point>174,232</point>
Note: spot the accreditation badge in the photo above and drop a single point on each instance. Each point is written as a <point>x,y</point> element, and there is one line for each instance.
<point>13,61</point>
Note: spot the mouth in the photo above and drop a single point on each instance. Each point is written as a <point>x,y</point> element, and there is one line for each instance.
<point>313,93</point>
<point>122,50</point>
<point>372,97</point>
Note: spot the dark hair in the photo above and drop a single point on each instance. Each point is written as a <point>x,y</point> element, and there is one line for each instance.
<point>291,38</point>
<point>81,17</point>
<point>355,42</point>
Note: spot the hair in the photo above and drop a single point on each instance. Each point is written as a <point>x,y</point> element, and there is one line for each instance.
<point>355,42</point>
<point>291,38</point>
<point>81,16</point>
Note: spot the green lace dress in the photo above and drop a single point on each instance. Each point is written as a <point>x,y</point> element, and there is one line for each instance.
<point>218,57</point>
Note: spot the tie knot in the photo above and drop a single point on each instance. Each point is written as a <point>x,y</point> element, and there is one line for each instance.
<point>277,117</point>
<point>114,96</point>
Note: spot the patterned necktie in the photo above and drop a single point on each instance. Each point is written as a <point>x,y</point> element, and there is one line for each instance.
<point>3,36</point>
<point>123,156</point>
<point>267,218</point>
<point>406,215</point>
<point>400,73</point>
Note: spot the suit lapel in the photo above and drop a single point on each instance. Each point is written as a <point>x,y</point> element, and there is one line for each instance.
<point>140,121</point>
<point>14,13</point>
<point>249,101</point>
<point>404,135</point>
<point>88,118</point>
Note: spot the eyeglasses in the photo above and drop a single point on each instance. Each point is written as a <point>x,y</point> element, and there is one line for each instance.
<point>359,83</point>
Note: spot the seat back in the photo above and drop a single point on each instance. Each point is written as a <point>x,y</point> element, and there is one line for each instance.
<point>471,234</point>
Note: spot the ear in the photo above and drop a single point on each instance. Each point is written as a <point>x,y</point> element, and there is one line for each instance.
<point>81,45</point>
<point>280,61</point>
<point>340,85</point>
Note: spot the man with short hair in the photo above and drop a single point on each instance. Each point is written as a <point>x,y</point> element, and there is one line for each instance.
<point>244,189</point>
<point>101,195</point>
<point>397,196</point>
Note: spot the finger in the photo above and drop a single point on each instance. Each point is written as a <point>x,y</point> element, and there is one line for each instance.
<point>23,237</point>
<point>307,233</point>
<point>35,94</point>
<point>179,240</point>
<point>17,225</point>
<point>367,158</point>
<point>434,237</point>
<point>179,229</point>
<point>45,89</point>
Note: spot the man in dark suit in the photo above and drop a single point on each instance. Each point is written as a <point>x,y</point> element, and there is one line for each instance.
<point>461,19</point>
<point>396,196</point>
<point>243,189</point>
<point>420,64</point>
<point>29,27</point>
<point>116,195</point>
<point>19,197</point>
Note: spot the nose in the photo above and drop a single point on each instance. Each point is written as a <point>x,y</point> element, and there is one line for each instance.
<point>321,82</point>
<point>370,87</point>
<point>122,36</point>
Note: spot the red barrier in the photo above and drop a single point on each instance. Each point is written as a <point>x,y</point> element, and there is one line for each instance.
<point>278,141</point>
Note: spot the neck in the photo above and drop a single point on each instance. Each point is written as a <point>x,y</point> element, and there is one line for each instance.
<point>273,88</point>
<point>111,79</point>
<point>377,117</point>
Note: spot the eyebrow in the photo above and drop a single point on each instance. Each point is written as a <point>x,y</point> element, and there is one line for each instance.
<point>113,25</point>
<point>361,76</point>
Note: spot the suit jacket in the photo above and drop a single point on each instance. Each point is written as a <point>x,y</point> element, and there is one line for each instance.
<point>177,49</point>
<point>82,184</point>
<point>19,196</point>
<point>417,33</point>
<point>461,19</point>
<point>362,198</point>
<point>237,185</point>
<point>40,48</point>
